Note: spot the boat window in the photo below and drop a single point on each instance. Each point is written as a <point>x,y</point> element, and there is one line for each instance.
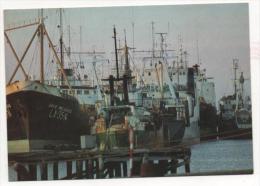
<point>65,91</point>
<point>71,91</point>
<point>79,91</point>
<point>86,91</point>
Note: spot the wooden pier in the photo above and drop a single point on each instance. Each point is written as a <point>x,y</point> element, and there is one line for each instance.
<point>94,164</point>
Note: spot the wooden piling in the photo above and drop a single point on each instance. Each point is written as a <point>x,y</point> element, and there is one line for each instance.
<point>55,170</point>
<point>100,166</point>
<point>110,169</point>
<point>97,168</point>
<point>44,171</point>
<point>124,164</point>
<point>136,168</point>
<point>187,165</point>
<point>86,168</point>
<point>117,169</point>
<point>69,168</point>
<point>90,169</point>
<point>79,167</point>
<point>22,173</point>
<point>33,171</point>
<point>173,166</point>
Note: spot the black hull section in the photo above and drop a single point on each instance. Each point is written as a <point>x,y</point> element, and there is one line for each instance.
<point>173,130</point>
<point>208,122</point>
<point>34,115</point>
<point>236,134</point>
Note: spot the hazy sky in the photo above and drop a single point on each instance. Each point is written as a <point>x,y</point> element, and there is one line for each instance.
<point>222,31</point>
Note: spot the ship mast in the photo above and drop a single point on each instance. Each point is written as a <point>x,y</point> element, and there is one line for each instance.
<point>241,81</point>
<point>127,65</point>
<point>133,30</point>
<point>153,42</point>
<point>61,44</point>
<point>41,48</point>
<point>162,43</point>
<point>69,49</point>
<point>41,31</point>
<point>117,73</point>
<point>235,67</point>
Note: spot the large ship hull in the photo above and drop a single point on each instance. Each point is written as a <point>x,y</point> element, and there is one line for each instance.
<point>228,129</point>
<point>236,127</point>
<point>208,122</point>
<point>236,134</point>
<point>37,119</point>
<point>173,130</point>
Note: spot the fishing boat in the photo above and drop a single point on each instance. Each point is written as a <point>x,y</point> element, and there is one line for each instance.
<point>115,120</point>
<point>169,88</point>
<point>235,111</point>
<point>208,121</point>
<point>40,116</point>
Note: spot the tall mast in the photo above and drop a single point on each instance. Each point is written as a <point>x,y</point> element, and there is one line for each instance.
<point>127,67</point>
<point>235,66</point>
<point>241,81</point>
<point>117,73</point>
<point>133,30</point>
<point>153,41</point>
<point>80,42</point>
<point>61,43</point>
<point>41,48</point>
<point>198,53</point>
<point>180,51</point>
<point>69,49</point>
<point>162,43</point>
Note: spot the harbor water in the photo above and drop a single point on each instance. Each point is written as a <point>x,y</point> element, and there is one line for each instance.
<point>215,156</point>
<point>221,155</point>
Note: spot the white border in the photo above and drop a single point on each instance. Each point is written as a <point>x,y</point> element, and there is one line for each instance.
<point>249,180</point>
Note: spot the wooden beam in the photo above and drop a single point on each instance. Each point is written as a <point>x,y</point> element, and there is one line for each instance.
<point>25,52</point>
<point>18,27</point>
<point>15,54</point>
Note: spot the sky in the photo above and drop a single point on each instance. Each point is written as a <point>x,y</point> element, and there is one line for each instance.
<point>221,31</point>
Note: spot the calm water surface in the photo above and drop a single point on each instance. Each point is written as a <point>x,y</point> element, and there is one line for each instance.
<point>222,155</point>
